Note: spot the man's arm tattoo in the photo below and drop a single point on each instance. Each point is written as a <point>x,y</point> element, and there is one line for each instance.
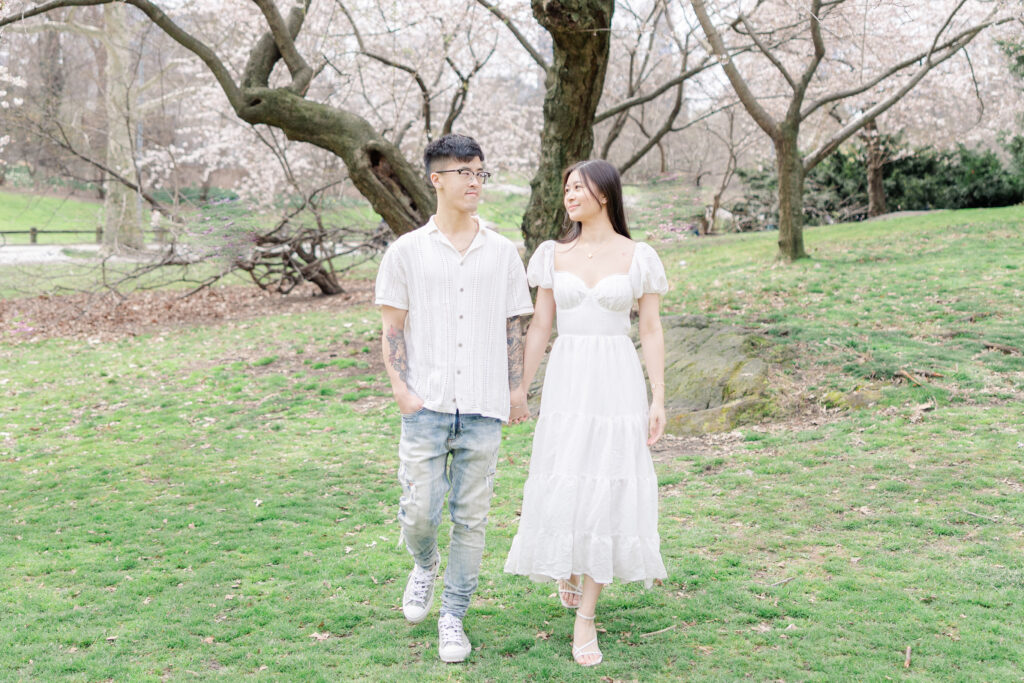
<point>514,339</point>
<point>398,357</point>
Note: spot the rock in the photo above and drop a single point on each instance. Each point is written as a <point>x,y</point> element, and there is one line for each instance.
<point>721,418</point>
<point>715,378</point>
<point>862,397</point>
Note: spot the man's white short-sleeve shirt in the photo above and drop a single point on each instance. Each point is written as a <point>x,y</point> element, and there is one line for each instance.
<point>458,306</point>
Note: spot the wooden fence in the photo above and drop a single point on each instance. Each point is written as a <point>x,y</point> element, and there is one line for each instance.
<point>34,233</point>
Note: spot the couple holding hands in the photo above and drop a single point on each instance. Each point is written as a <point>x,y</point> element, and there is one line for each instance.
<point>453,295</point>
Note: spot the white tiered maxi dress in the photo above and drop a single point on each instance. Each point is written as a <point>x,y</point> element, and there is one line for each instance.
<point>590,504</point>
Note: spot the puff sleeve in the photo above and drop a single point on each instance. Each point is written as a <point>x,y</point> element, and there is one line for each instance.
<point>540,272</point>
<point>648,275</point>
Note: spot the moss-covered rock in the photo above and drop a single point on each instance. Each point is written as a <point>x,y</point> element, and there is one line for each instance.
<point>715,378</point>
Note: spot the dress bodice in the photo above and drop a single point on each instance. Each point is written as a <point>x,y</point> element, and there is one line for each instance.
<point>601,309</point>
<point>604,308</point>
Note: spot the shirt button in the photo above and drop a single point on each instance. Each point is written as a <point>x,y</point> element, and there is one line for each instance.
<point>458,372</point>
<point>461,289</point>
<point>460,316</point>
<point>460,345</point>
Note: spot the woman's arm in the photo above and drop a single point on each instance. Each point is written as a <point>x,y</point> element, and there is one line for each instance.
<point>537,338</point>
<point>653,342</point>
<point>538,334</point>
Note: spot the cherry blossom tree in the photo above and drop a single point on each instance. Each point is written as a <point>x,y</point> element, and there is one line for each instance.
<point>887,48</point>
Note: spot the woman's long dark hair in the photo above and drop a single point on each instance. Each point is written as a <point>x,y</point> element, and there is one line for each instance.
<point>601,178</point>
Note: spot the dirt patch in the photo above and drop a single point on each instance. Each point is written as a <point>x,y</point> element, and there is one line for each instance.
<point>107,317</point>
<point>803,414</point>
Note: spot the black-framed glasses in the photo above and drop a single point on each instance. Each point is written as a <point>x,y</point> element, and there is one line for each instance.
<point>467,173</point>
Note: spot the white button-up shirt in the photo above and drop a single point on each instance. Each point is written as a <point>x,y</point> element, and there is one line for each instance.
<point>458,306</point>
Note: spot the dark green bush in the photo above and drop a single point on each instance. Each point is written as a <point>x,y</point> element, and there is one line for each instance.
<point>924,178</point>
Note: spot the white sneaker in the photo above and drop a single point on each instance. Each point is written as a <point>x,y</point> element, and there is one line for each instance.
<point>419,593</point>
<point>452,643</point>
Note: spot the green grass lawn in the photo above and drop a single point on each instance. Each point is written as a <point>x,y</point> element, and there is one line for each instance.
<point>219,502</point>
<point>22,211</point>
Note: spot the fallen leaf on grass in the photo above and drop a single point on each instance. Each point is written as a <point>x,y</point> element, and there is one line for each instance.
<point>320,636</point>
<point>543,635</point>
<point>208,640</point>
<point>111,639</point>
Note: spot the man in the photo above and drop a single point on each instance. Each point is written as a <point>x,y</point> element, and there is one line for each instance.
<point>451,295</point>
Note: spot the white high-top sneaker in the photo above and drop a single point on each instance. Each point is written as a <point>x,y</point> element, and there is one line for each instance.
<point>419,593</point>
<point>452,643</point>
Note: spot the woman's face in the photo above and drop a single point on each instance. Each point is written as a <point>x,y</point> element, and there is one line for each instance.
<point>579,203</point>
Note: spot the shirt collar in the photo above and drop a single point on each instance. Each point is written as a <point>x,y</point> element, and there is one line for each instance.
<point>481,235</point>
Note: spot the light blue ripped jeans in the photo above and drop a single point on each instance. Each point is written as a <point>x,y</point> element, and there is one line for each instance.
<point>438,453</point>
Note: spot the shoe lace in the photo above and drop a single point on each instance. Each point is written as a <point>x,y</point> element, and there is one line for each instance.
<point>421,580</point>
<point>451,629</point>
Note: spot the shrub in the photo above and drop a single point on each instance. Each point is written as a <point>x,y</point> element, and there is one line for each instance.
<point>920,179</point>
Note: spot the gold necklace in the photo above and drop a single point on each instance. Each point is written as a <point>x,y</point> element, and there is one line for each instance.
<point>599,247</point>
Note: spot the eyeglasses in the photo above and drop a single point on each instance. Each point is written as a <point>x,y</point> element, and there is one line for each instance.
<point>467,173</point>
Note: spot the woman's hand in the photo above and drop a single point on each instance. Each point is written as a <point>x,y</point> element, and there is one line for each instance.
<point>519,411</point>
<point>656,422</point>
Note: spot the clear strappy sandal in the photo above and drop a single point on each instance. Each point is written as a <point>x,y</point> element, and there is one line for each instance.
<point>567,588</point>
<point>583,651</point>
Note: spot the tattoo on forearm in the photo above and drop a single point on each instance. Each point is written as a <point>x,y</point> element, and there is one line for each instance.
<point>514,339</point>
<point>398,358</point>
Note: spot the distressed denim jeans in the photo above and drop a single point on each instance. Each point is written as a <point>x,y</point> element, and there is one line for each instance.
<point>441,453</point>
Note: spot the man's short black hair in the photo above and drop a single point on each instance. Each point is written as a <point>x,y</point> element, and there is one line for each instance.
<point>451,146</point>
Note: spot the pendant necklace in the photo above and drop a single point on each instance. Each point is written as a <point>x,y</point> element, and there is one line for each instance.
<point>599,247</point>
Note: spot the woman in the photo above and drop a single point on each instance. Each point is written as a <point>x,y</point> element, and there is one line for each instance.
<point>590,504</point>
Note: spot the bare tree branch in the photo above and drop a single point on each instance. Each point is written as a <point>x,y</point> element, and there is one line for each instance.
<point>793,112</point>
<point>767,52</point>
<point>505,19</point>
<point>297,66</point>
<point>654,139</point>
<point>706,63</point>
<point>958,42</point>
<point>830,145</point>
<point>760,115</point>
<point>158,17</point>
<point>64,142</point>
<point>265,53</point>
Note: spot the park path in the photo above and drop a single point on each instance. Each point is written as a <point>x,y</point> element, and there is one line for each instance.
<point>23,254</point>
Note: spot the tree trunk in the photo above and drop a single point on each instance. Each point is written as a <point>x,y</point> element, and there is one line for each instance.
<point>791,197</point>
<point>875,162</point>
<point>122,220</point>
<point>580,31</point>
<point>395,189</point>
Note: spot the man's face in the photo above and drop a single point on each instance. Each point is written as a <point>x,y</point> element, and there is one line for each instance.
<point>457,183</point>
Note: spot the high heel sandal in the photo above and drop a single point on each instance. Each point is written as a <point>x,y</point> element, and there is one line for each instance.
<point>566,588</point>
<point>580,651</point>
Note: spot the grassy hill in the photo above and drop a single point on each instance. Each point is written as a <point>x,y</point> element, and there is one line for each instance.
<point>205,502</point>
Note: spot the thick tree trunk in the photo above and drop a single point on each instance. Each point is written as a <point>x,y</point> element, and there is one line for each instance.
<point>122,216</point>
<point>791,197</point>
<point>395,189</point>
<point>875,162</point>
<point>580,31</point>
